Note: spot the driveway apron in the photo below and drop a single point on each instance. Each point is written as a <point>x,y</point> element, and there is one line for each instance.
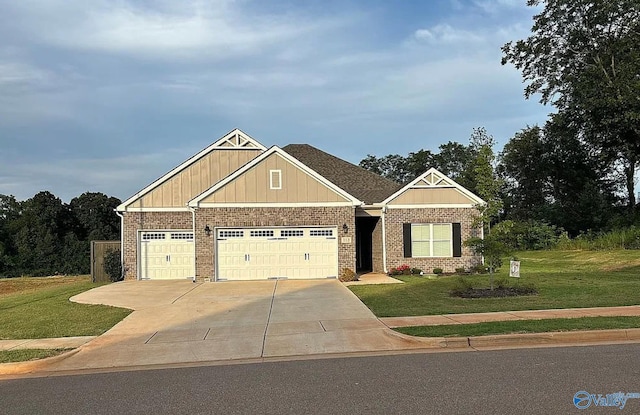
<point>182,322</point>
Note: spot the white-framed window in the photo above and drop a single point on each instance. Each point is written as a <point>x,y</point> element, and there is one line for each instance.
<point>261,233</point>
<point>182,235</point>
<point>275,179</point>
<point>291,233</point>
<point>148,236</point>
<point>431,240</point>
<point>321,232</point>
<point>231,233</point>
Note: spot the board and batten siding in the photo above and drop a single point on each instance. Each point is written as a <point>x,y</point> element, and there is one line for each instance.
<point>254,186</point>
<point>433,195</point>
<point>195,179</point>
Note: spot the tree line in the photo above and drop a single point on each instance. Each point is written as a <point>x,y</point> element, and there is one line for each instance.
<point>44,236</point>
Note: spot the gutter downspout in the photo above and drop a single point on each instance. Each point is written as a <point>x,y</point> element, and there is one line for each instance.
<point>193,228</point>
<point>121,242</point>
<point>384,241</point>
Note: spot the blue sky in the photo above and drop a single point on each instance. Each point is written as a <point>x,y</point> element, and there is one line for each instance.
<point>108,95</point>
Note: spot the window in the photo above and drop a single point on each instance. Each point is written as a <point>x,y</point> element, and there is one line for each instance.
<point>425,240</point>
<point>321,232</point>
<point>152,236</point>
<point>275,179</point>
<point>291,232</point>
<point>261,233</point>
<point>231,234</point>
<point>182,235</point>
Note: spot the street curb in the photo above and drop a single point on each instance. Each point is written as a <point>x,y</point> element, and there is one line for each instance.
<point>530,339</point>
<point>20,368</point>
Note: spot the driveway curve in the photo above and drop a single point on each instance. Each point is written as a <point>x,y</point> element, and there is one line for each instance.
<point>182,322</point>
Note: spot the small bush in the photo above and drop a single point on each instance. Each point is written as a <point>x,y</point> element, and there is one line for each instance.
<point>401,270</point>
<point>461,271</point>
<point>113,266</point>
<point>461,287</point>
<point>479,269</point>
<point>348,275</point>
<point>437,271</point>
<point>416,271</point>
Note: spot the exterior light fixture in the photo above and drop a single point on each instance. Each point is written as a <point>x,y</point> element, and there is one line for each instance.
<point>207,230</point>
<point>345,228</point>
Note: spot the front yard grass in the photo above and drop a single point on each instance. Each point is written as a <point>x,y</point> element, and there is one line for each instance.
<point>23,355</point>
<point>564,279</point>
<point>34,308</point>
<point>523,326</point>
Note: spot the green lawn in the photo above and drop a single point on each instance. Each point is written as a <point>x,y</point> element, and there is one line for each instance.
<point>40,307</point>
<point>23,355</point>
<point>564,279</point>
<point>527,326</point>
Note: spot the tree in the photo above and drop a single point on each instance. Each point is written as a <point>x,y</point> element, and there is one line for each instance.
<point>96,214</point>
<point>583,57</point>
<point>393,167</point>
<point>525,171</point>
<point>488,188</point>
<point>455,160</point>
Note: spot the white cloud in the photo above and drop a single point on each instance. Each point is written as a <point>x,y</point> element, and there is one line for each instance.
<point>195,29</point>
<point>444,33</point>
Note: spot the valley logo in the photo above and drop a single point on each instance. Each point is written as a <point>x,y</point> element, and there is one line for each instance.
<point>583,399</point>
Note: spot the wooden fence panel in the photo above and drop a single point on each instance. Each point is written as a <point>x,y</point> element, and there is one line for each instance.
<point>98,251</point>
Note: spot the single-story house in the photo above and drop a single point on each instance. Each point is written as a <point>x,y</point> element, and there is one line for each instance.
<point>240,211</point>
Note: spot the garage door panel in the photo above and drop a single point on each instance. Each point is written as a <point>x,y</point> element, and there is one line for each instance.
<point>166,255</point>
<point>273,252</point>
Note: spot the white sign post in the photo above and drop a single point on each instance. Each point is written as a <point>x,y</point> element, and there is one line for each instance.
<point>514,269</point>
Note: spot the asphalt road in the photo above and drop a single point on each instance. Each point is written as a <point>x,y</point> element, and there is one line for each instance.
<point>524,381</point>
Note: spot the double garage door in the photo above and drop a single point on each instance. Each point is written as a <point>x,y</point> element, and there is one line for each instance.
<point>255,254</point>
<point>166,255</point>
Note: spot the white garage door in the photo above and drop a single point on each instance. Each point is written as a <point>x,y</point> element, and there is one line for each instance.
<point>166,255</point>
<point>256,254</point>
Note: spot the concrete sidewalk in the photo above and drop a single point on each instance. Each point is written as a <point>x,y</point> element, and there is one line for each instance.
<point>472,318</point>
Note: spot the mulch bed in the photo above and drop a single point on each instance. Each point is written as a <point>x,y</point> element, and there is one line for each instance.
<point>496,292</point>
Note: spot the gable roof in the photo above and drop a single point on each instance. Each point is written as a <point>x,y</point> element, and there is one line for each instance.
<point>361,183</point>
<point>352,200</point>
<point>434,179</point>
<point>234,140</point>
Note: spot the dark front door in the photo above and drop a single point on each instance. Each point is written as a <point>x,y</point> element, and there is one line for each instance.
<point>364,243</point>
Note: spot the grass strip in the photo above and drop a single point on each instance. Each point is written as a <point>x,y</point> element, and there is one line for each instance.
<point>24,355</point>
<point>523,326</point>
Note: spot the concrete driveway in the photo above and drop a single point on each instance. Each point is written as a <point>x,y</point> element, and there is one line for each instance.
<point>183,322</point>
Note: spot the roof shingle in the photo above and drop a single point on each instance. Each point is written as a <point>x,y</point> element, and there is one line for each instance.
<point>361,183</point>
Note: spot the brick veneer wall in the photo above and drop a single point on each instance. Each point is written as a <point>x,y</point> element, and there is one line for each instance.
<point>134,221</point>
<point>264,217</point>
<point>394,218</point>
<point>376,247</point>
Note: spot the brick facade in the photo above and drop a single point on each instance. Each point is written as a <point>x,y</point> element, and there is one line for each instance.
<point>235,217</point>
<point>377,248</point>
<point>394,218</point>
<point>302,216</point>
<point>266,217</point>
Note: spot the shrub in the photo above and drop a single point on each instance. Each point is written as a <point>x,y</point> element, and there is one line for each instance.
<point>416,271</point>
<point>401,270</point>
<point>113,266</point>
<point>460,271</point>
<point>437,271</point>
<point>461,286</point>
<point>479,269</point>
<point>348,275</point>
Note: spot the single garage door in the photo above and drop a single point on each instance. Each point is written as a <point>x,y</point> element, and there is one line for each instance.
<point>166,255</point>
<point>256,254</point>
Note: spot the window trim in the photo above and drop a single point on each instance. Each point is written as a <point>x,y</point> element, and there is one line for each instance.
<point>431,240</point>
<point>278,174</point>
